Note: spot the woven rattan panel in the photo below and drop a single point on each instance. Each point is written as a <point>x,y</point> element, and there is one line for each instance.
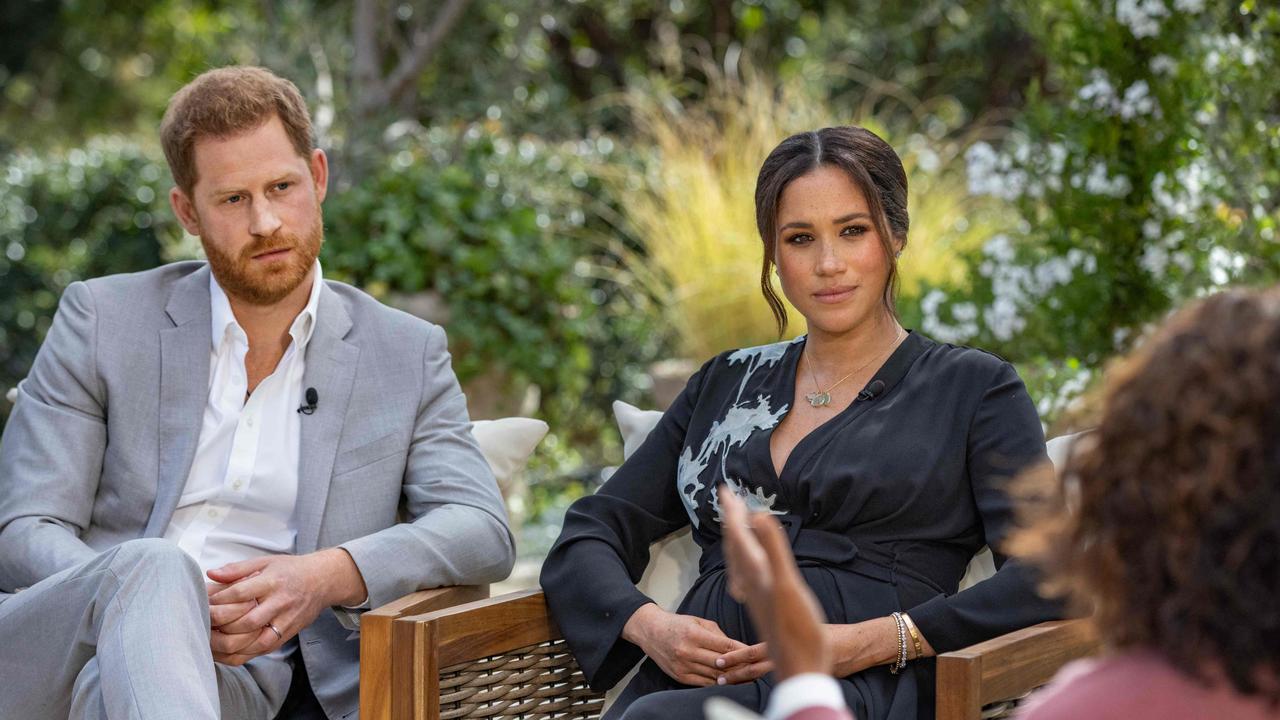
<point>539,681</point>
<point>544,681</point>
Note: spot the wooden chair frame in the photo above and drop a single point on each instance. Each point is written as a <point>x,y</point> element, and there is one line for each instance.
<point>414,642</point>
<point>384,666</point>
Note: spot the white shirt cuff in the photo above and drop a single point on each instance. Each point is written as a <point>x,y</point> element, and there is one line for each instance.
<point>804,691</point>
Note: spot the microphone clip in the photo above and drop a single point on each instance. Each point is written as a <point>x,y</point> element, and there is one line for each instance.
<point>313,399</point>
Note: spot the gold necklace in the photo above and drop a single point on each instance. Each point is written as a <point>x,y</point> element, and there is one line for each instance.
<point>822,398</point>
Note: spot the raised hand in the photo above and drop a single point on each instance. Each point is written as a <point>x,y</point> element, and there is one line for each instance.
<point>763,575</point>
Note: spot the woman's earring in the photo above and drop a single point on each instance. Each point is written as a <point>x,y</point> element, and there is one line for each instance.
<point>897,254</point>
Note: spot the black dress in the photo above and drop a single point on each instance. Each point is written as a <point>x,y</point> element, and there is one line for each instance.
<point>885,504</point>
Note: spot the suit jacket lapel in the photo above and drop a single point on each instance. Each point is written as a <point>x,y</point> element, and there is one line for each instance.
<point>184,390</point>
<point>331,370</point>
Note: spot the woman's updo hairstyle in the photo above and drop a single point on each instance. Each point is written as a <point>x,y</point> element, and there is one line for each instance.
<point>868,161</point>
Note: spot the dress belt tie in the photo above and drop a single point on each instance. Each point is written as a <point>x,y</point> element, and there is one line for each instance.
<point>814,547</point>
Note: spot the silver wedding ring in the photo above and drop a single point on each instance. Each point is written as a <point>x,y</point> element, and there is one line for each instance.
<point>276,630</point>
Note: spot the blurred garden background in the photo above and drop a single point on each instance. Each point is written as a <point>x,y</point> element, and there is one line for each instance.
<point>566,185</point>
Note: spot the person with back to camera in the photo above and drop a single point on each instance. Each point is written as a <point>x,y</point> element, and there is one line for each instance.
<point>883,454</point>
<point>1174,526</point>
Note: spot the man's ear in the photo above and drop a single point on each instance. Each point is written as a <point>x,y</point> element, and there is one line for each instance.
<point>185,210</point>
<point>320,173</point>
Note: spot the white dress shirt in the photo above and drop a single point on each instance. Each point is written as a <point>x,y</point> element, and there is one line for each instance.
<point>238,502</point>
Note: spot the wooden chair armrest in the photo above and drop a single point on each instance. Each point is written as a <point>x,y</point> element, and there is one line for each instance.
<point>426,643</point>
<point>377,656</point>
<point>478,629</point>
<point>1008,666</point>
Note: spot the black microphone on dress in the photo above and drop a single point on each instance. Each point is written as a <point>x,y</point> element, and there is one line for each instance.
<point>872,391</point>
<point>313,398</point>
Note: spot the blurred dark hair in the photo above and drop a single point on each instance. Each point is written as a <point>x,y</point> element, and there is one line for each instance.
<point>868,161</point>
<point>1169,524</point>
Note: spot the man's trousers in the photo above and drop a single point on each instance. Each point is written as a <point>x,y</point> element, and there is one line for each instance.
<point>126,635</point>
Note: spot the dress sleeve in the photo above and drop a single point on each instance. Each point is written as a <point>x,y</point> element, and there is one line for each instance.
<point>1004,438</point>
<point>589,577</point>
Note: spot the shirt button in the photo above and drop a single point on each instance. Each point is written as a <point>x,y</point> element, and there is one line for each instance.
<point>249,421</point>
<point>237,484</point>
<point>213,513</point>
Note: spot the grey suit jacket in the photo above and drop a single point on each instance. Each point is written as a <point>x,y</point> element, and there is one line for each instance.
<point>99,444</point>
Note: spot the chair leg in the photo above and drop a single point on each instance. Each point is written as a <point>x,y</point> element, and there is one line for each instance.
<point>959,689</point>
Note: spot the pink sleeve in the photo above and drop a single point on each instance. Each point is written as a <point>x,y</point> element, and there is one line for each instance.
<point>819,712</point>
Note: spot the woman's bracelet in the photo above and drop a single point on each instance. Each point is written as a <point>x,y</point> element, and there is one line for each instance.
<point>901,662</point>
<point>915,636</point>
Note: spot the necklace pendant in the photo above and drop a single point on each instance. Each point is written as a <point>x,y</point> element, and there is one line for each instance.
<point>818,399</point>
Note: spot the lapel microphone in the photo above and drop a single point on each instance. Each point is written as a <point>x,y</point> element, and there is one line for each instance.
<point>870,393</point>
<point>313,399</point>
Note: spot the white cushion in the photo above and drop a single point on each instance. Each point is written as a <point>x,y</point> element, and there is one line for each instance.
<point>507,443</point>
<point>983,565</point>
<point>673,560</point>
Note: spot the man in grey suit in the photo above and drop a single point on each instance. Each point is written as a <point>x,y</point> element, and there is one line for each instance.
<point>203,477</point>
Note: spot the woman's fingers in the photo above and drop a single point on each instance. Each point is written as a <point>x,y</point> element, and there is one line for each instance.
<point>742,656</point>
<point>746,673</point>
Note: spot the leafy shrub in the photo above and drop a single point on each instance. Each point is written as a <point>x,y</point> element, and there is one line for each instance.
<point>1143,173</point>
<point>68,216</point>
<point>499,230</point>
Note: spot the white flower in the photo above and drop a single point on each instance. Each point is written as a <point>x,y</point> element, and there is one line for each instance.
<point>1188,6</point>
<point>1098,92</point>
<point>965,312</point>
<point>1163,65</point>
<point>1137,101</point>
<point>1098,183</point>
<point>1224,265</point>
<point>1142,17</point>
<point>1000,248</point>
<point>990,173</point>
<point>1154,260</point>
<point>1002,318</point>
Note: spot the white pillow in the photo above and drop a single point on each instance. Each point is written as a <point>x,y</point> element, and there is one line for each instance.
<point>983,565</point>
<point>507,444</point>
<point>673,560</point>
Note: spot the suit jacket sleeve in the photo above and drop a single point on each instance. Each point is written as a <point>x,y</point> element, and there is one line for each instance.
<point>1004,439</point>
<point>51,452</point>
<point>458,534</point>
<point>590,575</point>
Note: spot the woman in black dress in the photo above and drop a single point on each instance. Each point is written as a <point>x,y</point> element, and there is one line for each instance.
<point>883,454</point>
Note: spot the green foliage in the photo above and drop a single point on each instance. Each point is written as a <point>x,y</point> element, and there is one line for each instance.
<point>1143,171</point>
<point>69,216</point>
<point>496,229</point>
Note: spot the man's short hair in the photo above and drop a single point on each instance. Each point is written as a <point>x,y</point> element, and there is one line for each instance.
<point>223,103</point>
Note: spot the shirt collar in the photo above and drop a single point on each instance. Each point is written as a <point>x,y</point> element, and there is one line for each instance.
<point>304,325</point>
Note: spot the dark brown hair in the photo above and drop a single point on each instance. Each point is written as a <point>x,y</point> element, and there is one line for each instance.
<point>1170,528</point>
<point>225,102</point>
<point>870,163</point>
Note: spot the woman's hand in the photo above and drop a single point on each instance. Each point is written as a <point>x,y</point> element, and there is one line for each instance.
<point>685,647</point>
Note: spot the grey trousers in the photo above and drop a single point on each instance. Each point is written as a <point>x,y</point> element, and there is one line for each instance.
<point>126,635</point>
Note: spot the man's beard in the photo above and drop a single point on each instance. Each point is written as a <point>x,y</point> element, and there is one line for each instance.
<point>242,278</point>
